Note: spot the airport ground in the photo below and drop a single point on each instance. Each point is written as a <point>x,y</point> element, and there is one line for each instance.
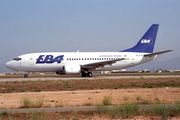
<point>95,75</point>
<point>90,92</point>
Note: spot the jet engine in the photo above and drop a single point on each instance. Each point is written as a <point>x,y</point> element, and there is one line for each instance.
<point>70,69</point>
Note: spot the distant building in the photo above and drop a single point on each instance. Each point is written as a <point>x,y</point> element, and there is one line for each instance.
<point>159,71</point>
<point>145,71</point>
<point>1,74</point>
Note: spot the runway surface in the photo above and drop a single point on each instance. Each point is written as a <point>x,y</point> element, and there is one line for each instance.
<point>82,108</point>
<point>87,78</point>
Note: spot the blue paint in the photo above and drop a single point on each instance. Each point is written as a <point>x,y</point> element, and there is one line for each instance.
<point>49,59</point>
<point>147,42</point>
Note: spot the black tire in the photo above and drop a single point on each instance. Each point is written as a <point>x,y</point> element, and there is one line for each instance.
<point>25,75</point>
<point>83,74</point>
<point>89,74</point>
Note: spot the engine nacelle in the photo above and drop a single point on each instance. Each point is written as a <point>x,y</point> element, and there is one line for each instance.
<point>70,69</point>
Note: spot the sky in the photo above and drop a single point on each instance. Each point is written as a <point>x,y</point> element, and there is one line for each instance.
<point>28,26</point>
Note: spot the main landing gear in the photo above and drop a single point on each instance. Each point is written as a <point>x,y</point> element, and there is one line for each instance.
<point>86,74</point>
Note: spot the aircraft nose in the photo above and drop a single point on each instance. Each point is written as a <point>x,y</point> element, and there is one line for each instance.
<point>8,64</point>
<point>13,65</point>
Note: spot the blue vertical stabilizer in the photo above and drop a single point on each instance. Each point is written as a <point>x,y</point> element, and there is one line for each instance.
<point>147,42</point>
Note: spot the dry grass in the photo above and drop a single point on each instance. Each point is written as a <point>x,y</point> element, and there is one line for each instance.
<point>39,102</point>
<point>129,110</point>
<point>71,85</point>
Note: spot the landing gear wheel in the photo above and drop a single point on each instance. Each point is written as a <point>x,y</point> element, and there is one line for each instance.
<point>83,74</point>
<point>25,75</point>
<point>89,74</point>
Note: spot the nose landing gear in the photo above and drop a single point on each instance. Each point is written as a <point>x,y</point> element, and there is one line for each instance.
<point>25,75</point>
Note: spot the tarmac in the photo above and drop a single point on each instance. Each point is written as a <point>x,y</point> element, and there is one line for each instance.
<point>87,78</point>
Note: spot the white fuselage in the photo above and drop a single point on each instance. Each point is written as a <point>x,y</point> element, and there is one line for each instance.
<point>54,61</point>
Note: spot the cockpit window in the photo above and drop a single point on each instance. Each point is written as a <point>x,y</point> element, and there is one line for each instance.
<point>17,59</point>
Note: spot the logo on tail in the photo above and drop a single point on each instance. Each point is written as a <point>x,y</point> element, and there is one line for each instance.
<point>149,41</point>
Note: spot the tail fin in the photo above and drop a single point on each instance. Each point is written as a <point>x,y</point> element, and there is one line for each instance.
<point>147,42</point>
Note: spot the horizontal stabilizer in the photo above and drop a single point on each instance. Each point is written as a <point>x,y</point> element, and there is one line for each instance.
<point>157,53</point>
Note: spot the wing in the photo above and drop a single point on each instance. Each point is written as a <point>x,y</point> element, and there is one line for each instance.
<point>99,64</point>
<point>157,53</point>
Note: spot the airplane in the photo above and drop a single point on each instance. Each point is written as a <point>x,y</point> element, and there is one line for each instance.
<point>85,62</point>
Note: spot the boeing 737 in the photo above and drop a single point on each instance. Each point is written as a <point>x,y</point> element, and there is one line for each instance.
<point>85,62</point>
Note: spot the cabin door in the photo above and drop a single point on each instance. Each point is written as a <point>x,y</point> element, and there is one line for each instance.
<point>31,60</point>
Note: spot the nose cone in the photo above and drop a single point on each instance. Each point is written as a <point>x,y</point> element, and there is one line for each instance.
<point>8,64</point>
<point>11,65</point>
